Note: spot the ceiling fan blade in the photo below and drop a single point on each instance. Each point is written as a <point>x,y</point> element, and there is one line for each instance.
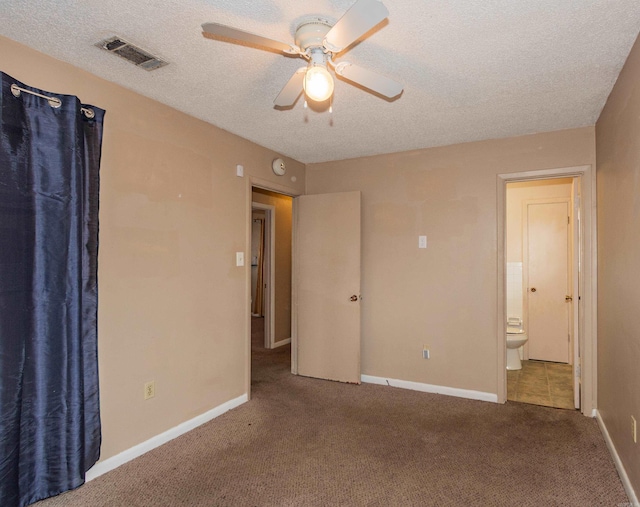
<point>292,90</point>
<point>371,80</point>
<point>358,20</point>
<point>217,30</point>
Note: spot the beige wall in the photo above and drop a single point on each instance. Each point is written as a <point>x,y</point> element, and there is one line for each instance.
<point>173,306</point>
<point>283,208</point>
<point>618,178</point>
<point>445,296</point>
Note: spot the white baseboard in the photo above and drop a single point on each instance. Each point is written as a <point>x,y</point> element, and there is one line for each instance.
<point>102,467</point>
<point>286,341</point>
<point>429,388</point>
<point>633,498</point>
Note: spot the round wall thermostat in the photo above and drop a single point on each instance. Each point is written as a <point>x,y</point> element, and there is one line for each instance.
<point>278,166</point>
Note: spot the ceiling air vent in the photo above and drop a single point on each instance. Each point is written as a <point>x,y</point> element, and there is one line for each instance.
<point>131,53</point>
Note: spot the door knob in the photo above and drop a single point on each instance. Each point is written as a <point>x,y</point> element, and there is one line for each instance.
<point>568,298</point>
<point>353,298</point>
<point>533,289</point>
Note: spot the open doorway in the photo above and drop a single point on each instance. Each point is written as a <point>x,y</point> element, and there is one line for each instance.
<point>541,267</point>
<point>271,236</point>
<point>584,284</point>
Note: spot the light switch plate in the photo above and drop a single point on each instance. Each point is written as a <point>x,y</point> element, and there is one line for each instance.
<point>422,242</point>
<point>240,170</point>
<point>239,258</point>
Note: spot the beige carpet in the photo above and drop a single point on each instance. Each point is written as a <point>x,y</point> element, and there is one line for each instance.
<point>302,441</point>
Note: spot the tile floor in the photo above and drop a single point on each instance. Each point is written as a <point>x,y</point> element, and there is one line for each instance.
<point>542,383</point>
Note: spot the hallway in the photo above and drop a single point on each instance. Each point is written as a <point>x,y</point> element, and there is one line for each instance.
<point>267,364</point>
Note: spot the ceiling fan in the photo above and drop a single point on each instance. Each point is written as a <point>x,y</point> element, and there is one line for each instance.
<point>318,41</point>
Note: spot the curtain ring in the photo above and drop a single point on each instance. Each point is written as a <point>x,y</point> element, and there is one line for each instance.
<point>54,102</point>
<point>89,113</point>
<point>15,90</point>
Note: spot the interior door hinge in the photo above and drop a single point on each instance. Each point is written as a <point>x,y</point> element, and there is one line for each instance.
<point>568,220</point>
<point>578,371</point>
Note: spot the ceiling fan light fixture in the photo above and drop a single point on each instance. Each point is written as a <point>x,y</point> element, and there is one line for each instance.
<point>318,83</point>
<point>319,40</point>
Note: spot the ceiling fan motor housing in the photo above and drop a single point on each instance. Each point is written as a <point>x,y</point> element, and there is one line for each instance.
<point>311,33</point>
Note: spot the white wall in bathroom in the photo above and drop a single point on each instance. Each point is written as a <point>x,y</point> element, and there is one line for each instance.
<point>514,290</point>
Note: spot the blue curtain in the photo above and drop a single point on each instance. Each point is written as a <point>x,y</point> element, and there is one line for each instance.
<point>49,184</point>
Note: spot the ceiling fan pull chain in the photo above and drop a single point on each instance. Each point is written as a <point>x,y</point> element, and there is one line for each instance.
<point>331,111</point>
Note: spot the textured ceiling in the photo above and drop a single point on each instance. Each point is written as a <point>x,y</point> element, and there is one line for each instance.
<point>472,69</point>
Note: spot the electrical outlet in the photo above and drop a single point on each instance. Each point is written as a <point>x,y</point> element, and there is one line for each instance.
<point>425,353</point>
<point>149,389</point>
<point>634,430</point>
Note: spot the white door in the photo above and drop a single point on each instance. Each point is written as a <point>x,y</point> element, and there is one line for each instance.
<point>327,286</point>
<point>548,281</point>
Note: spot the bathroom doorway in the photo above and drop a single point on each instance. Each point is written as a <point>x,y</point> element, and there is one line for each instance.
<point>584,280</point>
<point>542,251</point>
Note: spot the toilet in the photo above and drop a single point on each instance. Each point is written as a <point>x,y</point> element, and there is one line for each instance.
<point>516,338</point>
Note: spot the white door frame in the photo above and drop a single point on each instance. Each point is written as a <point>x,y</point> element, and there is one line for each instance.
<point>577,245</point>
<point>268,273</point>
<point>586,298</point>
<point>251,182</point>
